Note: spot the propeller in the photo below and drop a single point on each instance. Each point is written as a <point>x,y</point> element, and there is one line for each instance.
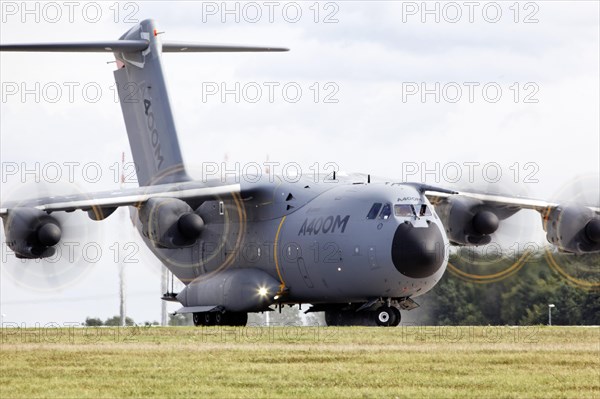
<point>506,236</point>
<point>211,230</point>
<point>71,240</point>
<point>580,229</point>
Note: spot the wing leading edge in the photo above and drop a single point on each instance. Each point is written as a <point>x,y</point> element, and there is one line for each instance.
<point>128,197</point>
<point>500,200</point>
<point>471,218</point>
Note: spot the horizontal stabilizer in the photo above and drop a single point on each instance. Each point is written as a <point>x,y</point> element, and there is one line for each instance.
<point>182,47</point>
<point>121,46</point>
<point>130,46</point>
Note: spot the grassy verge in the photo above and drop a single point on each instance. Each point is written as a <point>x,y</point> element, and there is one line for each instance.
<point>301,362</point>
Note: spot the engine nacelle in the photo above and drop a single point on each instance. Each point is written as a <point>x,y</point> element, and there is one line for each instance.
<point>170,223</point>
<point>468,221</point>
<point>236,290</point>
<point>573,228</point>
<point>31,233</point>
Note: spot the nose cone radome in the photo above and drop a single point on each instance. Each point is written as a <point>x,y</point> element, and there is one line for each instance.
<point>418,252</point>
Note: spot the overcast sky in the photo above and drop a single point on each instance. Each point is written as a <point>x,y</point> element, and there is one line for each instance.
<point>386,88</point>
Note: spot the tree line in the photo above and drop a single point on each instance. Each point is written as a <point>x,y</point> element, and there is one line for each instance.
<point>463,297</point>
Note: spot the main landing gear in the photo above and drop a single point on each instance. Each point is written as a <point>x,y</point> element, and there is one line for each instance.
<point>220,318</point>
<point>386,316</point>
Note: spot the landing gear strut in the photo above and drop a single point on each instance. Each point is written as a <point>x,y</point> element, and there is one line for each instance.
<point>220,319</point>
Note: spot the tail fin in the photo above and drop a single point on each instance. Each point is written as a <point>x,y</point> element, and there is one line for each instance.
<point>147,110</point>
<point>143,95</point>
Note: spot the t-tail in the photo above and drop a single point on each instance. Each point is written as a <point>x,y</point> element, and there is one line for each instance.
<point>143,94</point>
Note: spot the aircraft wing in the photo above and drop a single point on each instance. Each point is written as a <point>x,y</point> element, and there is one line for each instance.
<point>128,197</point>
<point>500,200</point>
<point>472,218</point>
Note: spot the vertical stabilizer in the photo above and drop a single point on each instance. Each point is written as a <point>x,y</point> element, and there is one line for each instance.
<point>147,111</point>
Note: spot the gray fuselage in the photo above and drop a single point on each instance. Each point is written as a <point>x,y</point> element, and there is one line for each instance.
<point>325,241</point>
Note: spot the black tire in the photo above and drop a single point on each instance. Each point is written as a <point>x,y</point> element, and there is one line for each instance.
<point>235,319</point>
<point>334,318</point>
<point>219,319</point>
<point>384,316</point>
<point>397,317</point>
<point>207,319</point>
<point>329,318</point>
<point>197,319</point>
<point>238,319</point>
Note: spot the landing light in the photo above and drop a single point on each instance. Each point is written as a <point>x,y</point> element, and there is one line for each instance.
<point>262,291</point>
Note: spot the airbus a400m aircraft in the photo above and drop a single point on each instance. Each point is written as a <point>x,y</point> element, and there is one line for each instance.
<point>359,251</point>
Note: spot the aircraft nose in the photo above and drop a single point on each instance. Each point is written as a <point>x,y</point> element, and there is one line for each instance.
<point>418,252</point>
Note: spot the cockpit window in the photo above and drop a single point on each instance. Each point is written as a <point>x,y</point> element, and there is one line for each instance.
<point>386,212</point>
<point>424,210</point>
<point>374,210</point>
<point>403,210</point>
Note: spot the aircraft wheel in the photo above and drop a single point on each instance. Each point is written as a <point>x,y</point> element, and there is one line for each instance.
<point>333,318</point>
<point>238,319</point>
<point>348,318</point>
<point>385,316</point>
<point>329,318</point>
<point>203,319</point>
<point>197,318</point>
<point>235,319</point>
<point>366,320</point>
<point>397,317</point>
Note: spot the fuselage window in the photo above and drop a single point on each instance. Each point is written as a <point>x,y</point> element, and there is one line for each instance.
<point>374,211</point>
<point>386,212</point>
<point>424,210</point>
<point>403,210</point>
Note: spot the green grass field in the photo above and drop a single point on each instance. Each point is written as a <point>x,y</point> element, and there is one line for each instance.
<point>270,362</point>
